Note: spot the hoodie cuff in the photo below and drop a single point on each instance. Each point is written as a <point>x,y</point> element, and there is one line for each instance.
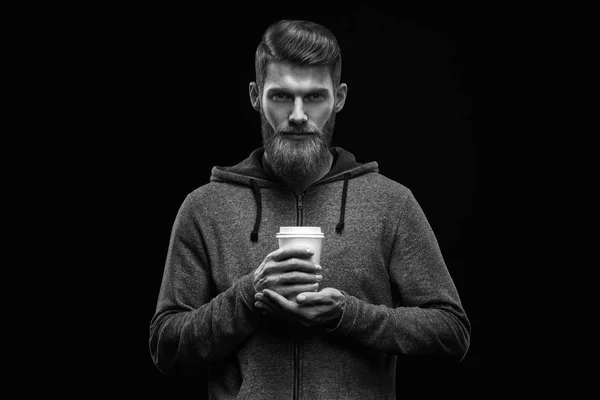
<point>346,322</point>
<point>245,290</point>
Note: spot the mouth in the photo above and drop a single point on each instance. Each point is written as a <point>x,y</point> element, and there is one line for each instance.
<point>297,135</point>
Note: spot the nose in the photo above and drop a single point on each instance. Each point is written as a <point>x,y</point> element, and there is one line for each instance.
<point>298,116</point>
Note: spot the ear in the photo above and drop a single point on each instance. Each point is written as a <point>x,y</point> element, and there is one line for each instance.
<point>340,97</point>
<point>254,96</point>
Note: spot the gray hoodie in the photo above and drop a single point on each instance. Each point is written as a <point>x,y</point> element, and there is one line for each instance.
<point>379,250</point>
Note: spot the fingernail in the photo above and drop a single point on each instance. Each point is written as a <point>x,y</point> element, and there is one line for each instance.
<point>301,298</point>
<point>319,268</point>
<point>319,278</point>
<point>309,250</point>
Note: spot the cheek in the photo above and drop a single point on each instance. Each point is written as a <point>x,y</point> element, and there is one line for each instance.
<point>320,115</point>
<point>276,115</point>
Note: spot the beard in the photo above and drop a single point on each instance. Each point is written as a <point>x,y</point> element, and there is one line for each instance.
<point>293,159</point>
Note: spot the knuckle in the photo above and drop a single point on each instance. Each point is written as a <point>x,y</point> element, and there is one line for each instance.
<point>298,264</point>
<point>261,282</point>
<point>295,276</point>
<point>284,252</point>
<point>272,256</point>
<point>264,282</point>
<point>308,265</point>
<point>272,279</point>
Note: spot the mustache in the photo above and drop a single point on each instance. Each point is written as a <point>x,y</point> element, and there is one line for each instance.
<point>299,130</point>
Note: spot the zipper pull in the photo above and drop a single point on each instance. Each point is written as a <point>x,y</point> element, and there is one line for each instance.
<point>299,208</point>
<point>300,199</point>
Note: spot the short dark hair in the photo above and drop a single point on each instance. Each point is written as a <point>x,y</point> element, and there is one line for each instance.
<point>298,42</point>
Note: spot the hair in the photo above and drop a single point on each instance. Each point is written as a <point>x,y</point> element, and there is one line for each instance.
<point>298,42</point>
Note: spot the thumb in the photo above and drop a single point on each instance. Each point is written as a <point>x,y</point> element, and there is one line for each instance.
<point>306,298</point>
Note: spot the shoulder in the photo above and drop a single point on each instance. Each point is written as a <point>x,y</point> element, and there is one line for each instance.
<point>382,186</point>
<point>214,197</point>
<point>215,191</point>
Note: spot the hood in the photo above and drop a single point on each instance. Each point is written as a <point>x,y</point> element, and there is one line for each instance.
<point>252,172</point>
<point>252,168</point>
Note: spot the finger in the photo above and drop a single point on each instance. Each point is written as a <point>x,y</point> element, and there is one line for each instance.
<point>261,302</point>
<point>290,292</point>
<point>285,285</point>
<point>265,307</point>
<point>292,252</point>
<point>260,307</point>
<point>296,277</point>
<point>297,264</point>
<point>261,298</point>
<point>311,298</point>
<point>275,300</point>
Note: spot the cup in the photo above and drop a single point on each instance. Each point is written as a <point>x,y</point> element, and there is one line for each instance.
<point>308,236</point>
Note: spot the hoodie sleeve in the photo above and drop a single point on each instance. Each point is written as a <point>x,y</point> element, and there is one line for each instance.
<point>192,326</point>
<point>430,319</point>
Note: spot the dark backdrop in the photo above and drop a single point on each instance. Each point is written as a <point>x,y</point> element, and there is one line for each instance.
<point>169,92</point>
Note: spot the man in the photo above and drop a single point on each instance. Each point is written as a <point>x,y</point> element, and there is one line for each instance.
<point>266,323</point>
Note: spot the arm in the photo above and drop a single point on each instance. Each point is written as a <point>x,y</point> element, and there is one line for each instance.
<point>430,318</point>
<point>191,326</point>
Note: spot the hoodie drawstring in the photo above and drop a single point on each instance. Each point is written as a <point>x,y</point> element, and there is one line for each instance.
<point>340,225</point>
<point>258,199</point>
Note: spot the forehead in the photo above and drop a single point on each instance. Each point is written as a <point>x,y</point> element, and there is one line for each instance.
<point>297,77</point>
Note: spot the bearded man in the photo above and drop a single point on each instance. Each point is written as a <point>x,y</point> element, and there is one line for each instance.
<point>266,323</point>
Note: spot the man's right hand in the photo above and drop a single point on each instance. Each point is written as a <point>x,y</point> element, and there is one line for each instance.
<point>288,271</point>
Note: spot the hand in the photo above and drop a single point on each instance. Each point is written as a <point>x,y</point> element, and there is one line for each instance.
<point>288,272</point>
<point>320,308</point>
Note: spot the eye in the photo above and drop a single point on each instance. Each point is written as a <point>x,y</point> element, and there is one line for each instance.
<point>316,97</point>
<point>280,96</point>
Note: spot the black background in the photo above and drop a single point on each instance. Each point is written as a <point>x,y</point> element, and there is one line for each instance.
<point>161,96</point>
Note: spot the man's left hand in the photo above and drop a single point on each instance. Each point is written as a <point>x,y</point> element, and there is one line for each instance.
<point>324,307</point>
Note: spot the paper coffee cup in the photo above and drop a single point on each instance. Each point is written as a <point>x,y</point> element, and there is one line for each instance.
<point>302,236</point>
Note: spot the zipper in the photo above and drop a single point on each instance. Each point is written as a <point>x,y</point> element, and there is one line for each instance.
<point>296,394</point>
<point>299,209</point>
<point>299,222</point>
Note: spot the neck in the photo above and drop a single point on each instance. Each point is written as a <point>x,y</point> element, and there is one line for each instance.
<point>301,185</point>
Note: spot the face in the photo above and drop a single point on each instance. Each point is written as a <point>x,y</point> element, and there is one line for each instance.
<point>297,106</point>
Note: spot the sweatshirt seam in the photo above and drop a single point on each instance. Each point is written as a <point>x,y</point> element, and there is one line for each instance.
<point>244,285</point>
<point>201,252</point>
<point>354,314</point>
<point>396,233</point>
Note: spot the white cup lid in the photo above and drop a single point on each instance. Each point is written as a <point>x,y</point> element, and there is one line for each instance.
<point>300,230</point>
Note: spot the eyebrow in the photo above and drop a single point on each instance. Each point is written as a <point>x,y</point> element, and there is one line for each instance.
<point>320,90</point>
